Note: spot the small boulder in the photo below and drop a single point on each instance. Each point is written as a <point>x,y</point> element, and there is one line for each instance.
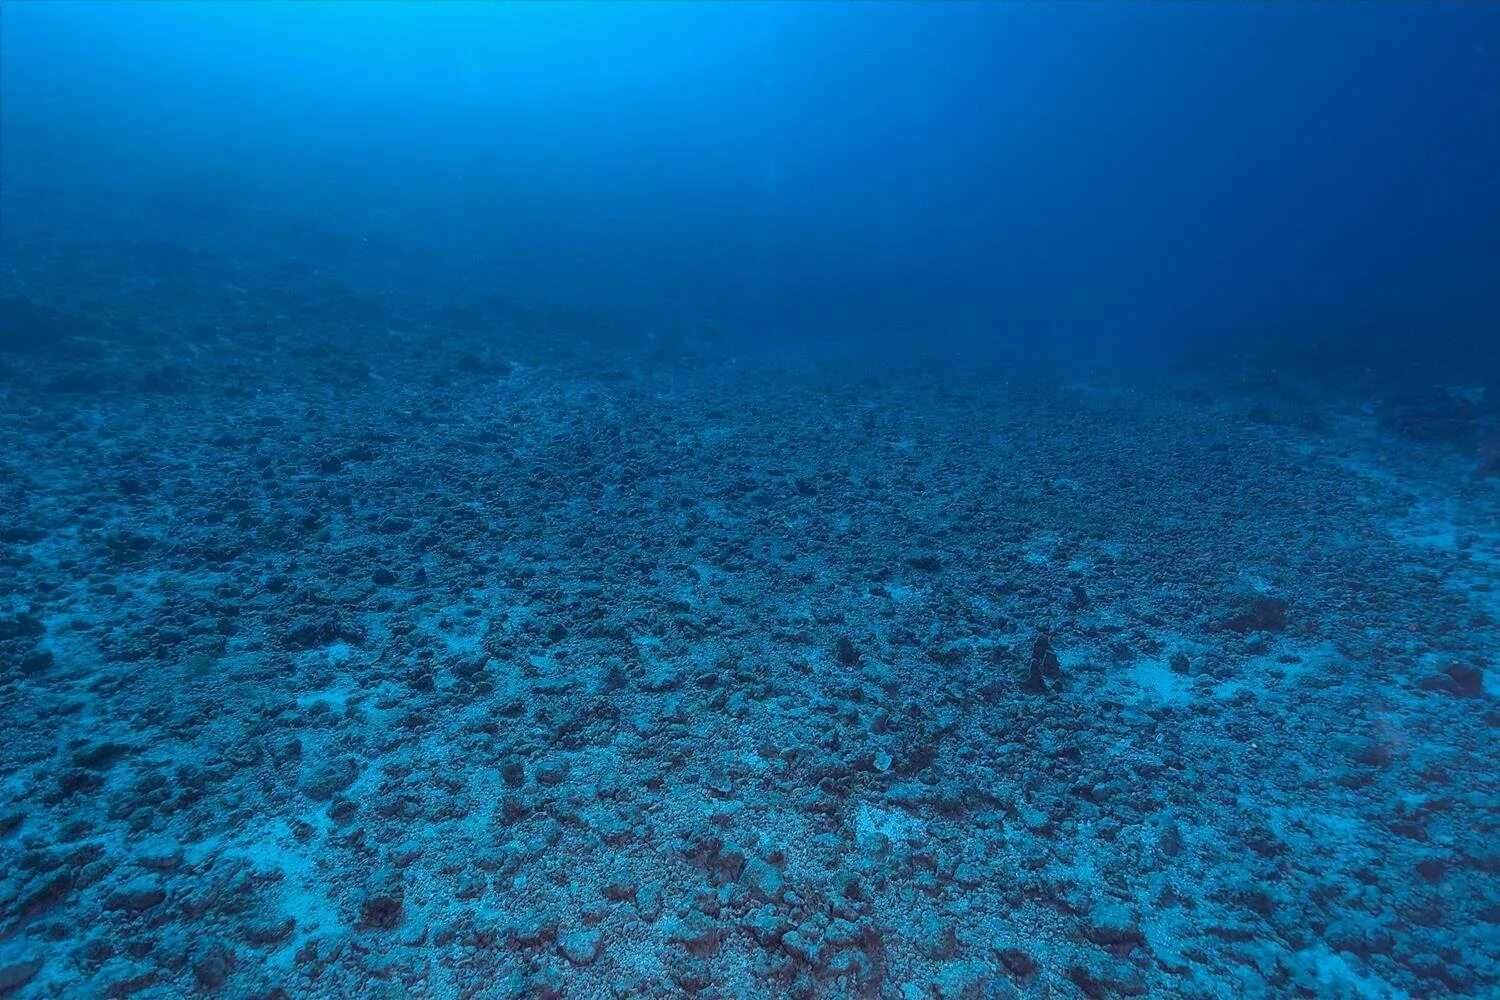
<point>581,947</point>
<point>212,967</point>
<point>14,975</point>
<point>1111,923</point>
<point>1044,664</point>
<point>324,779</point>
<point>381,912</point>
<point>139,894</point>
<point>1261,614</point>
<point>845,653</point>
<point>20,627</point>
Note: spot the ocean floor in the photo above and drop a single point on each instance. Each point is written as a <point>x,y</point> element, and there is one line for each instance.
<point>421,663</point>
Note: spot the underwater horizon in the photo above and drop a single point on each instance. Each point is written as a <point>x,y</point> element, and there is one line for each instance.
<point>885,500</point>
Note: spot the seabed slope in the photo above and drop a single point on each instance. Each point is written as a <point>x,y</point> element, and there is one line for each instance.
<point>409,665</point>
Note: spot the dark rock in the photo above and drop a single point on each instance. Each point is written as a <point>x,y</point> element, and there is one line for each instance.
<point>1043,664</point>
<point>271,931</point>
<point>142,894</point>
<point>552,772</point>
<point>100,756</point>
<point>1489,459</point>
<point>1430,416</point>
<point>15,975</point>
<point>512,774</point>
<point>325,779</point>
<point>37,661</point>
<point>76,780</point>
<point>1467,680</point>
<point>581,947</point>
<point>20,627</point>
<point>317,634</point>
<point>845,652</point>
<point>382,912</point>
<point>619,890</point>
<point>1018,962</point>
<point>1263,614</point>
<point>1113,924</point>
<point>212,967</point>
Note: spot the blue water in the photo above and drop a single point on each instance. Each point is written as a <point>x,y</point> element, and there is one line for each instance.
<point>749,500</point>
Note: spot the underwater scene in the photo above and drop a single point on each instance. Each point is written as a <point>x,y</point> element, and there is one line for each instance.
<point>749,500</point>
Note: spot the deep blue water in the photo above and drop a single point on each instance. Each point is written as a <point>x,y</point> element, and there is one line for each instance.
<point>1319,173</point>
<point>749,499</point>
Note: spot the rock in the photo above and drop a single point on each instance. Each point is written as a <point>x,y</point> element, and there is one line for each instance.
<point>801,945</point>
<point>381,912</point>
<point>324,779</point>
<point>100,756</point>
<point>762,879</point>
<point>648,902</point>
<point>845,652</point>
<point>1020,964</point>
<point>14,975</point>
<point>1363,750</point>
<point>317,634</point>
<point>963,980</point>
<point>1034,683</point>
<point>932,936</point>
<point>619,890</point>
<point>1260,414</point>
<point>534,929</point>
<point>513,774</point>
<point>160,854</point>
<point>140,894</point>
<point>1034,819</point>
<point>270,931</point>
<point>553,771</point>
<point>1108,980</point>
<point>52,891</point>
<point>1044,664</point>
<point>1111,923</point>
<point>1429,416</point>
<point>121,977</point>
<point>20,627</point>
<point>1262,614</point>
<point>212,967</point>
<point>766,925</point>
<point>1170,841</point>
<point>969,875</point>
<point>37,661</point>
<point>699,934</point>
<point>1465,680</point>
<point>581,947</point>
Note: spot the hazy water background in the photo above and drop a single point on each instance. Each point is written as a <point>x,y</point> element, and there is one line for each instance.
<point>1293,180</point>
